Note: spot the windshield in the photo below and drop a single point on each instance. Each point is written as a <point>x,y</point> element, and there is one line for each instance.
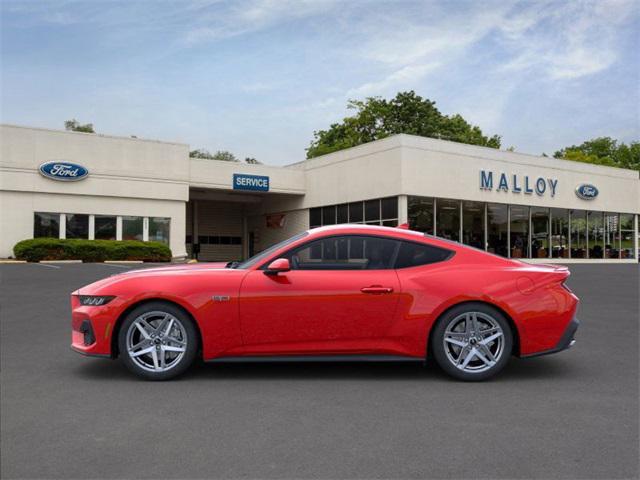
<point>265,253</point>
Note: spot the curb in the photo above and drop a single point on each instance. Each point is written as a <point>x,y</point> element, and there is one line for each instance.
<point>60,261</point>
<point>123,261</point>
<point>7,261</point>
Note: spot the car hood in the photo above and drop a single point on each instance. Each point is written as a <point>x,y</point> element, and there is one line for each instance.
<point>165,271</point>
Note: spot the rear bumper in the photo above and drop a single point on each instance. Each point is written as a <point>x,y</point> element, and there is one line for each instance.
<point>566,341</point>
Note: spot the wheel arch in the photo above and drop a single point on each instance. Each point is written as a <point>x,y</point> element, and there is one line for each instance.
<point>514,329</point>
<point>115,333</point>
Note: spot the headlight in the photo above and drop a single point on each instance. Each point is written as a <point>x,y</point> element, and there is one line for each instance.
<point>95,300</point>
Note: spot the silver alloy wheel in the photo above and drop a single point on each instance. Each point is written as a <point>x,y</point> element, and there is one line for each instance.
<point>474,342</point>
<point>156,341</point>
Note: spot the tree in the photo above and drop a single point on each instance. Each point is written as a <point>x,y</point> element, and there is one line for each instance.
<point>604,151</point>
<point>75,126</point>
<point>377,118</point>
<point>252,161</point>
<point>219,155</point>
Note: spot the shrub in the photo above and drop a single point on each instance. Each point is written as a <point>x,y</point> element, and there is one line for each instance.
<point>36,249</point>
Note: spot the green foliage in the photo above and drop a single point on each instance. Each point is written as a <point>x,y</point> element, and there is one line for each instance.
<point>604,151</point>
<point>37,249</point>
<point>223,155</point>
<point>377,118</point>
<point>252,161</point>
<point>75,126</point>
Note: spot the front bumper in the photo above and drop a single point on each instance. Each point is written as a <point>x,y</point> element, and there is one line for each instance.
<point>566,341</point>
<point>91,328</point>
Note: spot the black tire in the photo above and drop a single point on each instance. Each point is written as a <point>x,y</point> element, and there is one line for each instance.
<point>476,369</point>
<point>182,324</point>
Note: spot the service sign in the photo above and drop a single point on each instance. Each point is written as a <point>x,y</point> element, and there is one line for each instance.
<point>586,191</point>
<point>63,171</point>
<point>256,183</point>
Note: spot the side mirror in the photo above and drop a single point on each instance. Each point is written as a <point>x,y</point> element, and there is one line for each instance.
<point>277,266</point>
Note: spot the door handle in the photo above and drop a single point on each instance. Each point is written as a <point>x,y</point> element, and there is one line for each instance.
<point>376,289</point>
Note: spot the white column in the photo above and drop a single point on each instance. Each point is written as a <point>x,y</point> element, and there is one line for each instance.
<point>403,209</point>
<point>92,227</point>
<point>118,228</point>
<point>63,225</point>
<point>635,237</point>
<point>145,229</point>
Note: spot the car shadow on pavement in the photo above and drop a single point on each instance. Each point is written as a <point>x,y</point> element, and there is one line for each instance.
<point>517,370</point>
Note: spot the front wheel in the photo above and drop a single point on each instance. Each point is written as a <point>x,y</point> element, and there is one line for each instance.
<point>157,341</point>
<point>472,342</point>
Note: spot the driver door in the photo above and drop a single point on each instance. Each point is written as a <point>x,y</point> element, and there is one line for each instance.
<point>340,296</point>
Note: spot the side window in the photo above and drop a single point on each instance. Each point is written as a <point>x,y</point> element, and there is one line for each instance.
<point>414,254</point>
<point>350,252</point>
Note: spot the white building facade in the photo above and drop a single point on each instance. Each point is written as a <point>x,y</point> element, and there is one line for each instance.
<point>76,185</point>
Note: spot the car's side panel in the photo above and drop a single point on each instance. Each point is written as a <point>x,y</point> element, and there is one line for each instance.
<point>319,311</point>
<point>540,314</point>
<point>210,298</point>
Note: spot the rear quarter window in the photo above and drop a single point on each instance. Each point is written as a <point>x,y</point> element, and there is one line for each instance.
<point>416,254</point>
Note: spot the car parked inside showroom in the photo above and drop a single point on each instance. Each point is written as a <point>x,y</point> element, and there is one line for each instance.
<point>346,292</point>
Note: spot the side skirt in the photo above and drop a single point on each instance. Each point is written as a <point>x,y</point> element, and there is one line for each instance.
<point>314,358</point>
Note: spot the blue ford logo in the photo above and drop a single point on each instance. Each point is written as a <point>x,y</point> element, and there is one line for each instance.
<point>63,171</point>
<point>586,191</point>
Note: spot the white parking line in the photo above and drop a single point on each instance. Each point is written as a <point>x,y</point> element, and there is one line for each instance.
<point>117,266</point>
<point>46,265</point>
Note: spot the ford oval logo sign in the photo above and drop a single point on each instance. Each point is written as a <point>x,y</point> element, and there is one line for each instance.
<point>63,171</point>
<point>586,191</point>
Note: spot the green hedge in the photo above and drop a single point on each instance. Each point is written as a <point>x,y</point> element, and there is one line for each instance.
<point>36,249</point>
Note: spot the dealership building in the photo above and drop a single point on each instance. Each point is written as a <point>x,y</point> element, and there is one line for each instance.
<point>77,185</point>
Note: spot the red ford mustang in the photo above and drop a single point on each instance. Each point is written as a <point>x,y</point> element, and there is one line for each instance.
<point>348,292</point>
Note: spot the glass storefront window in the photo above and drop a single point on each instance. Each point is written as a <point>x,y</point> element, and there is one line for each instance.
<point>611,236</point>
<point>539,232</point>
<point>159,229</point>
<point>519,243</point>
<point>389,208</point>
<point>420,211</point>
<point>315,217</point>
<point>497,226</point>
<point>105,227</point>
<point>77,226</point>
<point>578,234</point>
<point>559,233</point>
<point>132,228</point>
<point>473,224</point>
<point>372,212</point>
<point>356,214</point>
<point>626,236</point>
<point>343,213</point>
<point>448,219</point>
<point>46,225</point>
<point>596,234</point>
<point>329,215</point>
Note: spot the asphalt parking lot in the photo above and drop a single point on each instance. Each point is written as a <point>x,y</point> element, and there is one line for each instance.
<point>571,415</point>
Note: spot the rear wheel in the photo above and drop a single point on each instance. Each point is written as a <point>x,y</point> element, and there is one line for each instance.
<point>157,341</point>
<point>472,342</point>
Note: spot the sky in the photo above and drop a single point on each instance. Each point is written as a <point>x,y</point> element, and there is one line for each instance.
<point>258,77</point>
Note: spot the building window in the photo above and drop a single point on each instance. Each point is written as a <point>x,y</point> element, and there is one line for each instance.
<point>159,229</point>
<point>77,226</point>
<point>497,227</point>
<point>559,233</point>
<point>595,237</point>
<point>132,228</point>
<point>473,224</point>
<point>627,233</point>
<point>105,227</point>
<point>519,232</point>
<point>46,225</point>
<point>448,219</point>
<point>611,235</point>
<point>372,212</point>
<point>539,232</point>
<point>420,213</point>
<point>578,234</point>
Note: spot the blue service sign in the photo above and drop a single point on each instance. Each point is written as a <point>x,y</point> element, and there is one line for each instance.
<point>250,182</point>
<point>63,171</point>
<point>586,191</point>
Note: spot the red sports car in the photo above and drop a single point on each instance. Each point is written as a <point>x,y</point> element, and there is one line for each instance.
<point>348,292</point>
